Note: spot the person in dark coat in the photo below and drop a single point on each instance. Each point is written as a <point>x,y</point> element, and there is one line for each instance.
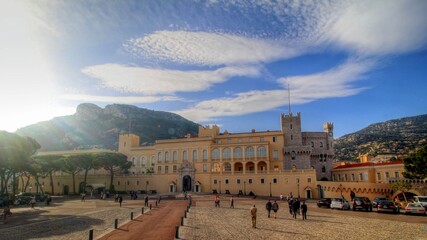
<point>304,211</point>
<point>290,202</point>
<point>120,200</point>
<point>268,206</point>
<point>275,208</point>
<point>295,206</point>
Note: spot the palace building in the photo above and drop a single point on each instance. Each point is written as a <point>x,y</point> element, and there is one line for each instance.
<point>264,163</point>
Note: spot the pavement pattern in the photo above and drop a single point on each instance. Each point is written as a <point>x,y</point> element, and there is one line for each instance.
<point>206,222</point>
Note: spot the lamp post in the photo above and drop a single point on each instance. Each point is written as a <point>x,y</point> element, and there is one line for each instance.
<point>146,187</point>
<point>219,186</point>
<point>270,190</point>
<point>298,190</point>
<point>176,185</point>
<point>244,187</point>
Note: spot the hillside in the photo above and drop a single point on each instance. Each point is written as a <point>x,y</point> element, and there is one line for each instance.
<point>92,126</point>
<point>399,136</point>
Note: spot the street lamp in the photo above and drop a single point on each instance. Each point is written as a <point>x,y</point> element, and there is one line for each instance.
<point>270,190</point>
<point>146,187</point>
<point>244,187</point>
<point>219,186</point>
<point>298,190</point>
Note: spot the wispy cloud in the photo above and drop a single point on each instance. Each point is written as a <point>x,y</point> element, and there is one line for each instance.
<point>210,49</point>
<point>380,27</point>
<point>123,99</point>
<point>335,82</point>
<point>150,81</point>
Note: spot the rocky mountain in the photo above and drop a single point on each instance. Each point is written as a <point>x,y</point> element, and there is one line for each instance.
<point>399,137</point>
<point>92,126</point>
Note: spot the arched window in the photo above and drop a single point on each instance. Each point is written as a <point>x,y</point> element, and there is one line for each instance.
<point>312,144</point>
<point>166,156</point>
<point>194,155</point>
<point>323,169</point>
<point>261,152</point>
<point>175,156</point>
<point>215,154</point>
<point>321,144</point>
<point>226,153</point>
<point>227,167</point>
<point>133,161</point>
<point>249,152</point>
<point>159,157</point>
<point>293,155</point>
<point>205,155</point>
<point>184,155</point>
<point>143,161</point>
<point>237,152</point>
<point>153,160</point>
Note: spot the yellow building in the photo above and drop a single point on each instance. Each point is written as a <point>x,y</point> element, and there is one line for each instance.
<point>265,163</point>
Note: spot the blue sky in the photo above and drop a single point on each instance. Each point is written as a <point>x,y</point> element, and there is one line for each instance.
<point>229,63</point>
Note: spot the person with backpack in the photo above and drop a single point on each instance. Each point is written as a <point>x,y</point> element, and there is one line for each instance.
<point>268,206</point>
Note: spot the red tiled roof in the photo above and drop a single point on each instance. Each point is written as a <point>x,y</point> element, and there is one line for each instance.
<point>367,164</point>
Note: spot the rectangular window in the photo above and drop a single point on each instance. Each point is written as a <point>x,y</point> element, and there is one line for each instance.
<point>345,177</point>
<point>228,140</point>
<point>274,180</point>
<point>396,174</point>
<point>352,177</point>
<point>118,183</point>
<point>205,167</point>
<point>238,181</point>
<point>174,168</point>
<point>309,180</point>
<point>297,180</point>
<point>262,180</point>
<point>215,181</point>
<point>250,180</point>
<point>159,169</point>
<point>274,139</point>
<point>276,155</point>
<point>137,182</point>
<point>261,139</point>
<point>360,177</point>
<point>387,175</point>
<point>379,176</point>
<point>166,169</point>
<point>226,181</point>
<point>250,140</point>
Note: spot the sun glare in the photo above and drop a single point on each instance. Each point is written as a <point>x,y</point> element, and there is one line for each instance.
<point>28,92</point>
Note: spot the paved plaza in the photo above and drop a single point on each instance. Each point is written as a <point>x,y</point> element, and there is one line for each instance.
<point>72,219</point>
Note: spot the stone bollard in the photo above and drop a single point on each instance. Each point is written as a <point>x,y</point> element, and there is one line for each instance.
<point>142,210</point>
<point>150,206</point>
<point>116,223</point>
<point>91,234</point>
<point>177,232</point>
<point>131,215</point>
<point>182,221</point>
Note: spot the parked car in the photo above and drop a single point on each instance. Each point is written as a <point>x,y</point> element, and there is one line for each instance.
<point>415,208</point>
<point>377,200</point>
<point>421,200</point>
<point>340,203</point>
<point>324,202</point>
<point>23,198</point>
<point>362,203</point>
<point>387,206</point>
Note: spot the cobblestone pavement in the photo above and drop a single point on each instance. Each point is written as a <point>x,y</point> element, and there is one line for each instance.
<point>204,221</point>
<point>69,219</point>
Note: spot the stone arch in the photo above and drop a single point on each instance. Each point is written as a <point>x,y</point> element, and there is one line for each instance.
<point>238,167</point>
<point>261,166</point>
<point>250,167</point>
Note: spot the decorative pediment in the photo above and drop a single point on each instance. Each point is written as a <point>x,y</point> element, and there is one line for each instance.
<point>186,166</point>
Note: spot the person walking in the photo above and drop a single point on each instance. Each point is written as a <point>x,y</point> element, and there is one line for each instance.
<point>146,201</point>
<point>33,202</point>
<point>281,197</point>
<point>231,202</point>
<point>275,208</point>
<point>294,209</point>
<point>268,206</point>
<point>120,200</point>
<point>304,210</point>
<point>253,215</point>
<point>290,203</point>
<point>83,197</point>
<point>216,199</point>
